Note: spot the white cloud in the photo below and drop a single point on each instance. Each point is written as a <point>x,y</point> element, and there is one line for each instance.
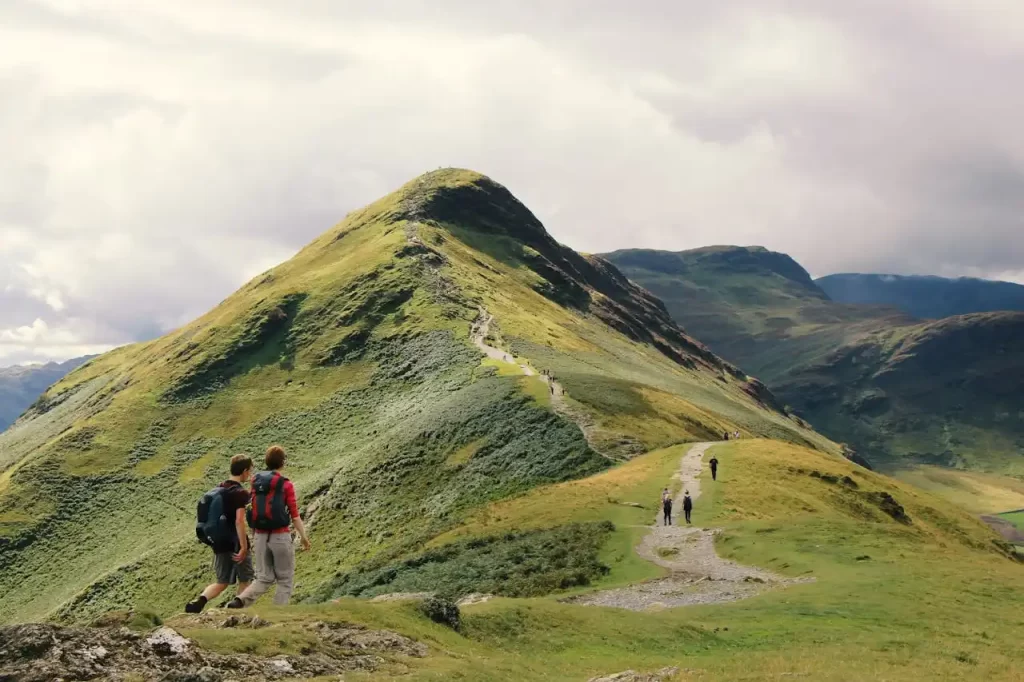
<point>27,334</point>
<point>157,154</point>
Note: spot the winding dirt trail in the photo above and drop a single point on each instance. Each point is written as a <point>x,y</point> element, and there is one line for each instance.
<point>559,400</point>
<point>697,574</point>
<point>479,331</point>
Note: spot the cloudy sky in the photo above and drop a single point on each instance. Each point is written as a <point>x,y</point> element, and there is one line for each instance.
<point>157,154</point>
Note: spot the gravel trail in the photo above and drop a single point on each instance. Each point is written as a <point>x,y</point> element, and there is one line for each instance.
<point>697,574</point>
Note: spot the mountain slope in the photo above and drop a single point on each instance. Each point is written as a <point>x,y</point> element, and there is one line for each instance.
<point>20,386</point>
<point>925,297</point>
<point>898,390</point>
<point>356,355</point>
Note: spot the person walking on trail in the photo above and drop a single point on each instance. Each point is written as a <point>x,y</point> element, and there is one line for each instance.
<point>221,524</point>
<point>274,509</point>
<point>687,505</point>
<point>714,468</point>
<point>666,506</point>
<point>725,435</point>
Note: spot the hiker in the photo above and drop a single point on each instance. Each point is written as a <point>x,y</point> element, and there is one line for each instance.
<point>687,505</point>
<point>552,389</point>
<point>714,468</point>
<point>274,508</point>
<point>725,435</point>
<point>226,533</point>
<point>666,506</point>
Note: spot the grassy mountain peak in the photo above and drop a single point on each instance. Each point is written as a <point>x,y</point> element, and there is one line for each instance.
<point>357,356</point>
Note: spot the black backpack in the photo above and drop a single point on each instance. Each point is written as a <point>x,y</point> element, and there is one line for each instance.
<point>269,510</point>
<point>213,527</point>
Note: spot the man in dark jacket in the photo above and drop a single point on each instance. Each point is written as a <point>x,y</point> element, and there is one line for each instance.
<point>687,505</point>
<point>714,468</point>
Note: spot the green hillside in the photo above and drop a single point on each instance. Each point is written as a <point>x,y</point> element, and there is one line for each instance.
<point>899,391</point>
<point>20,386</point>
<point>357,356</point>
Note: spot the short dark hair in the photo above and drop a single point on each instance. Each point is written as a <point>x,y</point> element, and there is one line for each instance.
<point>274,457</point>
<point>240,464</point>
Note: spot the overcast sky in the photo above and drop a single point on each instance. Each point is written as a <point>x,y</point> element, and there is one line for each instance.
<point>154,155</point>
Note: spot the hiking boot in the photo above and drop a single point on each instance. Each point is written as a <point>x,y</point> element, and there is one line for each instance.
<point>196,605</point>
<point>236,603</point>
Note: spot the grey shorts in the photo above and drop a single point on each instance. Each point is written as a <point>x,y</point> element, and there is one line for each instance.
<point>228,572</point>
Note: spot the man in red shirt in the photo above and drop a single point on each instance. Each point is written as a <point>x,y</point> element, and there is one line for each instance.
<point>274,509</point>
<point>231,564</point>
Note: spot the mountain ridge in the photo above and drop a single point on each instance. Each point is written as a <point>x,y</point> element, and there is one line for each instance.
<point>21,385</point>
<point>925,296</point>
<point>871,376</point>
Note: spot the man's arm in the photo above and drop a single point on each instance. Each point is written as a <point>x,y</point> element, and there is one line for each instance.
<point>293,508</point>
<point>243,536</point>
<point>301,528</point>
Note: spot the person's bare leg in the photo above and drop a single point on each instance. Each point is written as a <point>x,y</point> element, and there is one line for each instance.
<point>214,591</point>
<point>242,587</point>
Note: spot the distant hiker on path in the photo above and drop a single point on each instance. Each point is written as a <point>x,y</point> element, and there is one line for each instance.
<point>666,506</point>
<point>687,505</point>
<point>714,468</point>
<point>221,524</point>
<point>725,435</point>
<point>274,508</point>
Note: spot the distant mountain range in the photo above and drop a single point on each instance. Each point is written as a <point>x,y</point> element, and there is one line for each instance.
<point>897,389</point>
<point>21,385</point>
<point>924,297</point>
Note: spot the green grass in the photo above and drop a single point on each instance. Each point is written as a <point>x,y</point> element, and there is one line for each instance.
<point>626,495</point>
<point>1016,518</point>
<point>976,492</point>
<point>523,564</point>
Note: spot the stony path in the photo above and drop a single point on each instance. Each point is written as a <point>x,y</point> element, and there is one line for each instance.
<point>479,332</point>
<point>697,574</point>
<point>559,403</point>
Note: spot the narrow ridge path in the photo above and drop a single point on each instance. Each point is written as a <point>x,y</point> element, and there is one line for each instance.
<point>559,403</point>
<point>697,574</point>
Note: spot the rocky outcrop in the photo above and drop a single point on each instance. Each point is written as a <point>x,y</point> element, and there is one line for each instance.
<point>43,653</point>
<point>662,675</point>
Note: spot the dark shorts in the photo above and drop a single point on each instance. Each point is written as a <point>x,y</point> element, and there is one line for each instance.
<point>228,572</point>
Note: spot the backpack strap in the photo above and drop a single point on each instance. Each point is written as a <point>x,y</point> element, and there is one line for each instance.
<point>253,506</point>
